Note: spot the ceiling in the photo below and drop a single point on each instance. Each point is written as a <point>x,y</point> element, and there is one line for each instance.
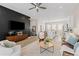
<point>53,11</point>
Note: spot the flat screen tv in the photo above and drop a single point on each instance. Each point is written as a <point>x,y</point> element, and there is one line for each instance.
<point>15,25</point>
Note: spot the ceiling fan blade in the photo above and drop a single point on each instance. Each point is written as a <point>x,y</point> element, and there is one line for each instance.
<point>31,8</point>
<point>43,7</point>
<point>39,4</point>
<point>33,4</point>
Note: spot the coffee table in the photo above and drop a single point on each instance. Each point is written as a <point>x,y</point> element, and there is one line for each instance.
<point>46,47</point>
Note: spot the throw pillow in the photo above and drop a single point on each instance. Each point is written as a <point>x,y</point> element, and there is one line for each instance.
<point>8,44</point>
<point>72,40</point>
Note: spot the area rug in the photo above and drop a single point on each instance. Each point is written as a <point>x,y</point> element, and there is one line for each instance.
<point>33,49</point>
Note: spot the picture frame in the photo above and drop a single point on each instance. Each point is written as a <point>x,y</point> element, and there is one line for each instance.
<point>34,30</point>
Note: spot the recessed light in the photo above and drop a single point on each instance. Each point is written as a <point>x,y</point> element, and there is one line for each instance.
<point>60,6</point>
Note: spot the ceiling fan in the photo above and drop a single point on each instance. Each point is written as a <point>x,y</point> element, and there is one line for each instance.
<point>37,6</point>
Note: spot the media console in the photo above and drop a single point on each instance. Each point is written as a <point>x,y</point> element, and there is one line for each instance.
<point>17,38</point>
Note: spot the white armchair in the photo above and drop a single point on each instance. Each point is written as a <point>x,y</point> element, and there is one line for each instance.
<point>11,51</point>
<point>69,51</point>
<point>65,51</point>
<point>77,52</point>
<point>42,35</point>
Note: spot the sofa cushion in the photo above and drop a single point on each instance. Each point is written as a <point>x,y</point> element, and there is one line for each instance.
<point>5,51</point>
<point>72,40</point>
<point>16,50</point>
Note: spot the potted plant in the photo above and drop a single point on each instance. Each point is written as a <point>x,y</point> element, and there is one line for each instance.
<point>48,40</point>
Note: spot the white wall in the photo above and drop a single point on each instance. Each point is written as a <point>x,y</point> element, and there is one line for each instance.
<point>76,19</point>
<point>76,15</point>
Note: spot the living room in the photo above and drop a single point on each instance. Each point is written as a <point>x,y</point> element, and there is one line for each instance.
<point>39,29</point>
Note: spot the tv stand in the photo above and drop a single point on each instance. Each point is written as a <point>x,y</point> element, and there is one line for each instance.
<point>17,38</point>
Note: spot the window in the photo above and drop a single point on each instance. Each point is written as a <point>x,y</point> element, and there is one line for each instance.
<point>53,26</point>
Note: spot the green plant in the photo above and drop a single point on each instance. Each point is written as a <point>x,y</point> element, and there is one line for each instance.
<point>48,40</point>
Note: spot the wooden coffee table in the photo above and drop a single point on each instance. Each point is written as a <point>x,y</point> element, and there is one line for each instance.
<point>46,47</point>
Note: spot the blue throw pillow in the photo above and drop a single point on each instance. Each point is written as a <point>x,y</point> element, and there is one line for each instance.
<point>2,37</point>
<point>72,40</point>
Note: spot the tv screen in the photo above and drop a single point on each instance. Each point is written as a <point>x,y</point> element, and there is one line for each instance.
<point>15,25</point>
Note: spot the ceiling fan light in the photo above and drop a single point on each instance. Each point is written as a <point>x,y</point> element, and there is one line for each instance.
<point>37,10</point>
<point>36,7</point>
